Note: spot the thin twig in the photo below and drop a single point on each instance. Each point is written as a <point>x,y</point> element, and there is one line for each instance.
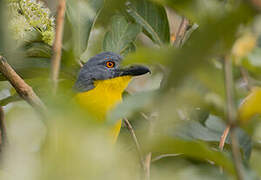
<point>3,138</point>
<point>23,89</point>
<point>246,78</point>
<point>164,156</point>
<point>224,137</point>
<point>57,46</point>
<point>237,155</point>
<point>134,137</point>
<point>147,163</point>
<point>181,32</point>
<point>231,117</point>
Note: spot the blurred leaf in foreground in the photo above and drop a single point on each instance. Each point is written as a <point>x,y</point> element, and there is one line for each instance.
<point>250,106</point>
<point>129,105</point>
<point>243,46</point>
<point>193,149</point>
<point>211,131</point>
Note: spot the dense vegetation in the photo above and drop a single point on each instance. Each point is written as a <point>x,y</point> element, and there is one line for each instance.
<point>206,78</point>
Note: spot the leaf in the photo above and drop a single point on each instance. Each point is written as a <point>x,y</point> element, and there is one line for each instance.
<point>193,149</point>
<point>129,105</point>
<point>153,18</point>
<point>10,99</point>
<point>211,131</point>
<point>250,106</point>
<point>121,36</point>
<point>82,15</point>
<point>216,124</point>
<point>189,32</point>
<point>243,46</point>
<point>194,130</point>
<point>32,67</point>
<point>252,61</point>
<point>38,49</point>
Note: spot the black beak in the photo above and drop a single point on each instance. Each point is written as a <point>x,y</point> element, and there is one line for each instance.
<point>135,70</point>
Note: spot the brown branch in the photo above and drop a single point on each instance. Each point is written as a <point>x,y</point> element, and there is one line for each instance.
<point>23,89</point>
<point>181,32</point>
<point>224,137</point>
<point>134,137</point>
<point>57,46</point>
<point>147,163</point>
<point>231,118</point>
<point>3,138</point>
<point>164,156</point>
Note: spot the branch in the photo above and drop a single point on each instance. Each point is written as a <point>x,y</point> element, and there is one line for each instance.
<point>57,46</point>
<point>134,137</point>
<point>181,32</point>
<point>3,138</point>
<point>164,156</point>
<point>231,117</point>
<point>147,163</point>
<point>246,78</point>
<point>23,89</point>
<point>224,137</point>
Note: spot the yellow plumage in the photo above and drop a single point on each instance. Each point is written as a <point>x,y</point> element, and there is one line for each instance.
<point>103,98</point>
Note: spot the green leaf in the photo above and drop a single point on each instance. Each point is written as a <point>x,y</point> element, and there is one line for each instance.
<point>10,99</point>
<point>82,15</point>
<point>211,131</point>
<point>194,130</point>
<point>121,36</point>
<point>193,149</point>
<point>252,61</point>
<point>153,18</point>
<point>129,105</point>
<point>38,49</point>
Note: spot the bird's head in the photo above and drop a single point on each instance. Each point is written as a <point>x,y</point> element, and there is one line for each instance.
<point>105,66</point>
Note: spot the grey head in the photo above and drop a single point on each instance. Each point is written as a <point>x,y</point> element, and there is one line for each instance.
<point>105,65</point>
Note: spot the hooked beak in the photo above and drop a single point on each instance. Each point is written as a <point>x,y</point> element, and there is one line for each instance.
<point>135,70</point>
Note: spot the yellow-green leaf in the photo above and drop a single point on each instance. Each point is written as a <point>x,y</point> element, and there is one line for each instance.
<point>251,105</point>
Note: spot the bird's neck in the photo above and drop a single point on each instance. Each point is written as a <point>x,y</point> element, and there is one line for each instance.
<point>105,96</point>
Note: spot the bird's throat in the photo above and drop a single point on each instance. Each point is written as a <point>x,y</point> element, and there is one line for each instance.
<point>104,97</point>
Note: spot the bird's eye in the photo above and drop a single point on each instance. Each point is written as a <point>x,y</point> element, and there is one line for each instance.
<point>110,64</point>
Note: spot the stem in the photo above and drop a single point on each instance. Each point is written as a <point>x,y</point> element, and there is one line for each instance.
<point>231,117</point>
<point>134,137</point>
<point>3,138</point>
<point>57,46</point>
<point>246,78</point>
<point>181,32</point>
<point>237,155</point>
<point>23,89</point>
<point>164,156</point>
<point>224,137</point>
<point>147,166</point>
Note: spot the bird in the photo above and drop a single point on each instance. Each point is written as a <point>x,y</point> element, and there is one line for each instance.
<point>100,84</point>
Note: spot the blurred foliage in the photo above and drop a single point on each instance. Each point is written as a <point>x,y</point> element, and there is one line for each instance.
<point>178,113</point>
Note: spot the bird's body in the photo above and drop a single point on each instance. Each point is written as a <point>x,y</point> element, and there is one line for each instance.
<point>103,98</point>
<point>100,85</point>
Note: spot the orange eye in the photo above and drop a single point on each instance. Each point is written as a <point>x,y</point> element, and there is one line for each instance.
<point>110,64</point>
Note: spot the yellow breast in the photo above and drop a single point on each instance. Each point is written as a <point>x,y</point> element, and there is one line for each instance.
<point>104,97</point>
